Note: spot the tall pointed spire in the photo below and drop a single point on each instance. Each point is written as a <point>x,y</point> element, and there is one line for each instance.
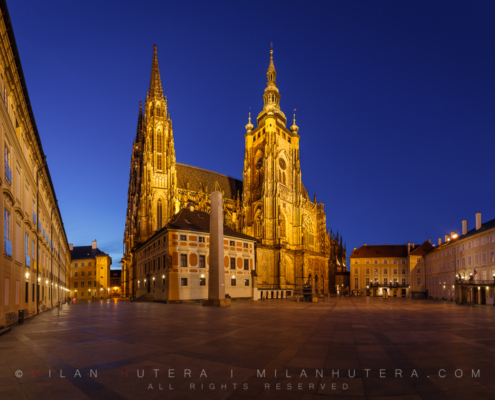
<point>155,91</point>
<point>140,122</point>
<point>271,98</point>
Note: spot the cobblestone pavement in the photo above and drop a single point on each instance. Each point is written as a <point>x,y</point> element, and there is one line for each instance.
<point>347,347</point>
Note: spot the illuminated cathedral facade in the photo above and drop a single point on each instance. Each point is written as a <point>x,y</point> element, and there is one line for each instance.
<point>294,247</point>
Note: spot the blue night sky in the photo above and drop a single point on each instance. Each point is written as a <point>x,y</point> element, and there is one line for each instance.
<point>395,103</point>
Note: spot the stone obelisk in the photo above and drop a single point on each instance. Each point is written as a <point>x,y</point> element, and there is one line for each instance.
<point>216,277</point>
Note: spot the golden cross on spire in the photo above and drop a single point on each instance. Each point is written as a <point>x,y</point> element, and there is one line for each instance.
<point>271,47</point>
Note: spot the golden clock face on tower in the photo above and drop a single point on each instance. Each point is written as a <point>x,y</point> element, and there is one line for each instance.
<point>281,162</point>
<point>259,163</point>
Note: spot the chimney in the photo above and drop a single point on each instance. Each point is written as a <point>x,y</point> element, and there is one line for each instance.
<point>408,247</point>
<point>71,246</point>
<point>478,221</point>
<point>94,244</point>
<point>453,235</point>
<point>439,241</point>
<point>446,238</point>
<point>413,245</point>
<point>464,226</point>
<point>429,241</point>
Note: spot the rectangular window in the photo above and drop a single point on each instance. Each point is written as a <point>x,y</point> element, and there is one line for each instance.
<point>376,261</point>
<point>82,273</point>
<point>202,281</point>
<point>201,239</point>
<point>89,273</point>
<point>82,284</point>
<point>246,264</point>
<point>6,234</point>
<point>385,281</point>
<point>355,271</point>
<point>385,271</point>
<point>367,270</point>
<point>395,261</point>
<point>395,271</point>
<point>183,281</point>
<point>356,283</point>
<point>403,281</point>
<point>75,285</point>
<point>376,270</point>
<point>233,282</point>
<point>75,273</point>
<point>245,245</point>
<point>89,283</point>
<point>418,270</point>
<point>385,261</point>
<point>367,261</point>
<point>246,282</point>
<point>403,271</point>
<point>183,260</point>
<point>232,263</point>
<point>182,237</point>
<point>26,294</point>
<point>367,281</point>
<point>232,243</point>
<point>418,281</point>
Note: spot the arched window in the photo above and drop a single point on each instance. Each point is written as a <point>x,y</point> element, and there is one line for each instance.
<point>159,215</point>
<point>159,142</point>
<point>258,226</point>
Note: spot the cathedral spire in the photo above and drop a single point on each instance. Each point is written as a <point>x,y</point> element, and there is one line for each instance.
<point>271,98</point>
<point>155,91</point>
<point>140,122</point>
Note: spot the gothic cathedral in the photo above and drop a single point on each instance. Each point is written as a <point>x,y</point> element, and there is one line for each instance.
<point>271,204</point>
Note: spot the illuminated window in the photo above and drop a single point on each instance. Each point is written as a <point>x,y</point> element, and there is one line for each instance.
<point>183,260</point>
<point>246,265</point>
<point>233,282</point>
<point>202,263</point>
<point>232,263</point>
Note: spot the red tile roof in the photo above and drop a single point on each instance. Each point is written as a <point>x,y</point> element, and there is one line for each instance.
<point>383,250</point>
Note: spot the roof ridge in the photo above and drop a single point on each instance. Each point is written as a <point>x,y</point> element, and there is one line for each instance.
<point>208,170</point>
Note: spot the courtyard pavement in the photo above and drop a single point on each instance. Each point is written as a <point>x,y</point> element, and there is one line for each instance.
<point>347,347</point>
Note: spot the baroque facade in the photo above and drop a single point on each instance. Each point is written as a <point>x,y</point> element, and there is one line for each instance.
<point>294,247</point>
<point>459,268</point>
<point>89,272</point>
<point>35,263</point>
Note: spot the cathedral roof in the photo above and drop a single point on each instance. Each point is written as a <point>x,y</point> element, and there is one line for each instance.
<point>200,221</point>
<point>202,179</point>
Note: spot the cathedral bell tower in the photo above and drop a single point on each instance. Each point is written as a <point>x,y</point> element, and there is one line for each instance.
<point>272,177</point>
<point>159,175</point>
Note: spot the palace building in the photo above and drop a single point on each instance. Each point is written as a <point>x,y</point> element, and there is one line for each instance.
<point>293,246</point>
<point>35,263</point>
<point>459,268</point>
<point>89,272</point>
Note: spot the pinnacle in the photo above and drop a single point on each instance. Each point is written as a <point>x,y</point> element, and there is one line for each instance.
<point>155,90</point>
